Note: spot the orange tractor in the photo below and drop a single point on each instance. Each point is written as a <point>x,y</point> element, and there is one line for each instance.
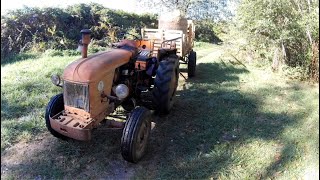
<point>95,85</point>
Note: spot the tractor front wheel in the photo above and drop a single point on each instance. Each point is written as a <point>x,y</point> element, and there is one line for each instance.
<point>135,134</point>
<point>192,62</point>
<point>165,85</point>
<point>54,106</point>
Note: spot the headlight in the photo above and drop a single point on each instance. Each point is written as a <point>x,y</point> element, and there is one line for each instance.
<point>122,91</point>
<point>56,80</point>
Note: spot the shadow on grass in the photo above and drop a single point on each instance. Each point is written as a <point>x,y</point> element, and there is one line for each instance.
<point>18,57</point>
<point>18,107</point>
<point>11,110</point>
<point>210,110</point>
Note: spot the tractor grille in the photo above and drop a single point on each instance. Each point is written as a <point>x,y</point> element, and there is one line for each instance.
<point>76,95</point>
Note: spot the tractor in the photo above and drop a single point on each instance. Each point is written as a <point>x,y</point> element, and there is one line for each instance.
<point>94,86</point>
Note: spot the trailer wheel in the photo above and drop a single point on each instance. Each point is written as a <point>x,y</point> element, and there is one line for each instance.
<point>192,62</point>
<point>165,85</point>
<point>54,106</point>
<point>135,134</point>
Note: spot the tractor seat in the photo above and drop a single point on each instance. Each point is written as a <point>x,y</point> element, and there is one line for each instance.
<point>163,52</point>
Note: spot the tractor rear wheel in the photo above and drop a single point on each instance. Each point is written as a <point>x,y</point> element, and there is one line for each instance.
<point>135,134</point>
<point>192,62</point>
<point>54,106</point>
<point>165,85</point>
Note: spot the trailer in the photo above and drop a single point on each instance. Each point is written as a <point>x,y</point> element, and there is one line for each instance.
<point>182,40</point>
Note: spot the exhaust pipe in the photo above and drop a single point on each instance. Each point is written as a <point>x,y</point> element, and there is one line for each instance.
<point>85,41</point>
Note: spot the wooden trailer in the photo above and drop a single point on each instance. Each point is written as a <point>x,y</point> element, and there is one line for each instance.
<point>182,40</point>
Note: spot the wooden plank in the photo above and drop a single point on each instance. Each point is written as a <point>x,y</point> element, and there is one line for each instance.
<point>183,44</point>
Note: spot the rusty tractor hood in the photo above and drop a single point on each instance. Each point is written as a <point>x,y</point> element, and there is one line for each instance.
<point>93,67</point>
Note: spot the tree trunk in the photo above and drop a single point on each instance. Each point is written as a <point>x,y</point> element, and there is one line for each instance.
<point>314,65</point>
<point>276,60</point>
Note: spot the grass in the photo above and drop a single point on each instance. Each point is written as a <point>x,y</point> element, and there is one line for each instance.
<point>25,90</point>
<point>231,121</point>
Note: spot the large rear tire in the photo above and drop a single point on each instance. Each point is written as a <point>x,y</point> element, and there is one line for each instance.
<point>165,85</point>
<point>136,134</point>
<point>54,106</point>
<point>192,63</point>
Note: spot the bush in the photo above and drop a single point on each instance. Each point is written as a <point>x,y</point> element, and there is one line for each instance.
<point>71,53</point>
<point>283,31</point>
<point>207,31</point>
<point>39,29</point>
<point>53,52</point>
<point>18,57</point>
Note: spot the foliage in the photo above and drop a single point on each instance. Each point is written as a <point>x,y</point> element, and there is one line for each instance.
<point>38,29</point>
<point>213,10</point>
<point>210,16</point>
<point>284,31</point>
<point>208,31</point>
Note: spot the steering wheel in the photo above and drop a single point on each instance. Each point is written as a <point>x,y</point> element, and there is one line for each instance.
<point>124,34</point>
<point>123,37</point>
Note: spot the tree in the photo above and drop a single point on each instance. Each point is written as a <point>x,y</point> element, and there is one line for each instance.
<point>213,10</point>
<point>288,28</point>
